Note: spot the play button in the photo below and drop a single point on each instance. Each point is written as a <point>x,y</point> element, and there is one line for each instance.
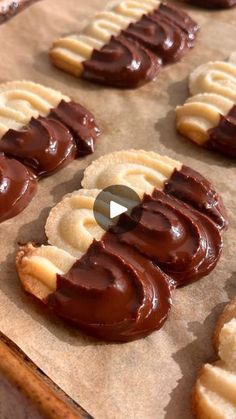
<point>113,208</point>
<point>116,209</point>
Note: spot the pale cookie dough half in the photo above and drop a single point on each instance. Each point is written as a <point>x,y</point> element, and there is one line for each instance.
<point>71,224</point>
<point>228,314</point>
<point>38,267</point>
<point>227,343</point>
<point>22,100</point>
<point>135,8</point>
<point>138,169</point>
<point>199,114</point>
<point>214,77</point>
<point>214,395</point>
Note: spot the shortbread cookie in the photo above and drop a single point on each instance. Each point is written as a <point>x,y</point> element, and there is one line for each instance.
<point>228,314</point>
<point>18,185</point>
<point>113,292</point>
<point>29,111</point>
<point>215,391</point>
<point>38,267</point>
<point>9,8</point>
<point>42,128</point>
<point>217,77</point>
<point>213,4</point>
<point>22,100</point>
<point>71,226</point>
<point>125,47</point>
<point>117,286</point>
<point>227,343</point>
<point>209,117</point>
<point>144,171</point>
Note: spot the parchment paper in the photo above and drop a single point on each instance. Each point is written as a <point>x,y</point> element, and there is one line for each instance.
<point>153,377</point>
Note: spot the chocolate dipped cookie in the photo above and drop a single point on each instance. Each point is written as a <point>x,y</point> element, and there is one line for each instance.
<point>215,389</point>
<point>97,279</point>
<point>208,117</point>
<point>41,131</point>
<point>126,46</point>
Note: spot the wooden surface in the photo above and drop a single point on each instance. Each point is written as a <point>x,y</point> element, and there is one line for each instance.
<point>25,392</point>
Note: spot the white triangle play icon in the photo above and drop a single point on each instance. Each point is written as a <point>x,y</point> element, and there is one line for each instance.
<point>116,209</point>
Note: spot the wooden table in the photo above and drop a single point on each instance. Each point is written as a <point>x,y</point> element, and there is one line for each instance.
<point>26,392</point>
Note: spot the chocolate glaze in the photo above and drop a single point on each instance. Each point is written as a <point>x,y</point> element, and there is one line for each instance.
<point>181,19</point>
<point>160,36</point>
<point>184,243</point>
<point>189,186</point>
<point>18,185</point>
<point>113,292</point>
<point>122,63</point>
<point>214,4</point>
<point>45,145</point>
<point>81,124</point>
<point>223,137</point>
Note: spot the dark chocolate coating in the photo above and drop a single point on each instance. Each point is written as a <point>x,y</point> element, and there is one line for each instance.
<point>213,4</point>
<point>179,18</point>
<point>18,186</point>
<point>183,242</point>
<point>164,39</point>
<point>81,124</point>
<point>45,145</point>
<point>122,63</point>
<point>194,189</point>
<point>113,292</point>
<point>223,137</point>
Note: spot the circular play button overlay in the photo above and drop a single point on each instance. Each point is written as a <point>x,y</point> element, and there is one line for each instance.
<point>113,206</point>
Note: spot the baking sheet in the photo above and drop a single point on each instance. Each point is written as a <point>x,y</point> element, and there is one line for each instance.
<point>153,377</point>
